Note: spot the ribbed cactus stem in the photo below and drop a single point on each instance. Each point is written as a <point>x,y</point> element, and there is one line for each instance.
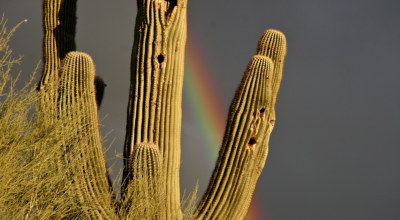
<point>155,99</point>
<point>146,185</point>
<point>273,45</point>
<point>250,123</point>
<point>228,192</point>
<point>77,102</point>
<point>59,23</point>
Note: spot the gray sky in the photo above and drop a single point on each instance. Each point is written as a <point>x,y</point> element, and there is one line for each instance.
<point>334,153</point>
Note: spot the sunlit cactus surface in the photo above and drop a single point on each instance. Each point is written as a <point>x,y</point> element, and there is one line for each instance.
<point>69,95</point>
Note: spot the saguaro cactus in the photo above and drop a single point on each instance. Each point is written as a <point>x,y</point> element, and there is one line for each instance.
<point>155,99</point>
<point>153,130</point>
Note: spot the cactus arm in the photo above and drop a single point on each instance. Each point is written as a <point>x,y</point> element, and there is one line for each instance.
<point>245,145</point>
<point>273,45</point>
<point>77,102</point>
<point>145,198</point>
<point>59,24</point>
<point>154,108</point>
<point>245,129</point>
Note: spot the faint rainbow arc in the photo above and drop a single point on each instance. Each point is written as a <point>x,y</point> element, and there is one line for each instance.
<point>203,98</point>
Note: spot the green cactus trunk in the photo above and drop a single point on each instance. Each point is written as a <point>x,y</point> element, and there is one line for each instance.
<point>155,99</point>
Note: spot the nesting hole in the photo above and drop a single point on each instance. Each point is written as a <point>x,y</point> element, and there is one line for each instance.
<point>160,58</point>
<point>262,110</point>
<point>170,6</point>
<point>172,3</point>
<point>252,141</point>
<point>251,144</point>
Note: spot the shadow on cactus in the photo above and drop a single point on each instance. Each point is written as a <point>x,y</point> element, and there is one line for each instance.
<point>68,99</point>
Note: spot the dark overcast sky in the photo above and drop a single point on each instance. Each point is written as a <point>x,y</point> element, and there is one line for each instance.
<point>335,151</point>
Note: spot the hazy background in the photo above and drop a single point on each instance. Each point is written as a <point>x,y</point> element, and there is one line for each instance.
<point>334,153</point>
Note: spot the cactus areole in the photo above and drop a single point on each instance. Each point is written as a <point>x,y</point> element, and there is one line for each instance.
<point>152,151</point>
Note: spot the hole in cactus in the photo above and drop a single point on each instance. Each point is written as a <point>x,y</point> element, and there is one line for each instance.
<point>170,7</point>
<point>160,58</point>
<point>262,110</point>
<point>252,141</point>
<point>171,4</point>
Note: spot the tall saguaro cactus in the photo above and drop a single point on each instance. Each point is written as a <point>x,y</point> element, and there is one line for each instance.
<point>153,130</point>
<point>155,99</point>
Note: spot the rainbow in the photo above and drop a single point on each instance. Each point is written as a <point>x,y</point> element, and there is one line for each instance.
<point>204,103</point>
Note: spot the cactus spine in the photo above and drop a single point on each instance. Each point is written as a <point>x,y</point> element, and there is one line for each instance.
<point>155,99</point>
